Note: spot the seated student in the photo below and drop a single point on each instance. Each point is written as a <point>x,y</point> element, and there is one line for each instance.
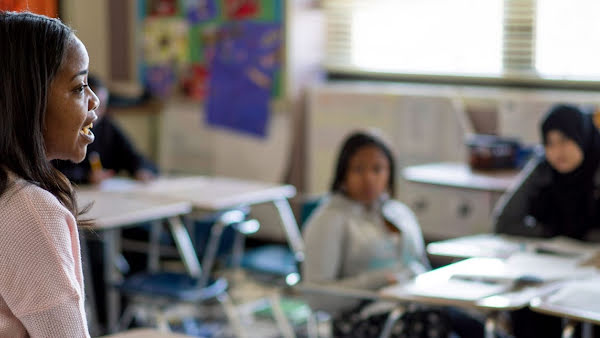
<point>46,108</point>
<point>360,237</point>
<point>557,194</point>
<point>111,152</point>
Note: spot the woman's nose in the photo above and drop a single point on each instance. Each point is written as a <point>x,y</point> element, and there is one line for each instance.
<point>94,101</point>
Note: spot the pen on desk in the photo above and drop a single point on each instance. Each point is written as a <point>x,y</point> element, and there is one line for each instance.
<point>94,160</point>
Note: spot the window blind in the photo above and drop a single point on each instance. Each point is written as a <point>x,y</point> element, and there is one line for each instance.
<point>498,40</point>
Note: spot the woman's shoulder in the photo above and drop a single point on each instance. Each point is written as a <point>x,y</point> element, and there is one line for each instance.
<point>25,200</point>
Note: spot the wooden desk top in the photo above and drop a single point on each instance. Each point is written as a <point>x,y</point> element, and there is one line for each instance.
<point>146,333</point>
<point>118,209</point>
<point>206,192</point>
<point>460,175</point>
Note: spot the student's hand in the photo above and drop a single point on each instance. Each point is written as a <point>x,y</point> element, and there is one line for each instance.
<point>144,175</point>
<point>97,176</point>
<point>399,277</point>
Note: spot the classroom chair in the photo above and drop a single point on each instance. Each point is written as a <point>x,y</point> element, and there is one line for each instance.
<point>159,297</point>
<point>277,262</point>
<point>284,262</point>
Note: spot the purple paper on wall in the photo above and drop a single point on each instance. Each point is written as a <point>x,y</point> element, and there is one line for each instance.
<point>242,74</point>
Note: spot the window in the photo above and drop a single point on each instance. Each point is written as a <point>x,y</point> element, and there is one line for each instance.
<point>526,41</point>
<point>568,39</point>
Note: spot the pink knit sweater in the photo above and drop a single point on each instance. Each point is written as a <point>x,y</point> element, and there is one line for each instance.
<point>41,283</point>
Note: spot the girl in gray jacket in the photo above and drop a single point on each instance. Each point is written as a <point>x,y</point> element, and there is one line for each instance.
<point>361,238</point>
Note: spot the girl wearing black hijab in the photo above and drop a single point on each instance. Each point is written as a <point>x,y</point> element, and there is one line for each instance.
<point>558,193</point>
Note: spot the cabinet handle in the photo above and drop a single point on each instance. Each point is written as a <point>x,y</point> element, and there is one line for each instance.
<point>421,205</point>
<point>464,210</point>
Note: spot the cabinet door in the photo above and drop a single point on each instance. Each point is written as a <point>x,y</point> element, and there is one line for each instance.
<point>424,201</point>
<point>445,212</point>
<point>467,212</point>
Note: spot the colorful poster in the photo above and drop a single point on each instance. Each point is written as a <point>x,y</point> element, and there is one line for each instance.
<point>242,76</point>
<point>198,11</point>
<point>163,7</point>
<point>224,53</point>
<point>166,41</point>
<point>241,9</point>
<point>160,80</point>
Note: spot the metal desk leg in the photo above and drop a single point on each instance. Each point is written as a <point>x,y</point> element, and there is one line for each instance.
<point>587,330</point>
<point>112,247</point>
<point>154,250</point>
<point>490,326</point>
<point>569,329</point>
<point>185,247</point>
<point>282,322</point>
<point>391,320</point>
<point>290,226</point>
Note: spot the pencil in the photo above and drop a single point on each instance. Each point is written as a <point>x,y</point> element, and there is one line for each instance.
<point>95,163</point>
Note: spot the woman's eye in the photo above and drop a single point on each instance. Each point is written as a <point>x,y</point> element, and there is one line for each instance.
<point>81,88</point>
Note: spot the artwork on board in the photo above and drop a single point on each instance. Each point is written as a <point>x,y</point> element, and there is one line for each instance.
<point>213,50</point>
<point>198,11</point>
<point>195,82</point>
<point>166,41</point>
<point>241,9</point>
<point>242,77</point>
<point>162,7</point>
<point>160,80</point>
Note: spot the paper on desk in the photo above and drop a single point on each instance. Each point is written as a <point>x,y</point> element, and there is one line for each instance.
<point>583,295</point>
<point>457,289</point>
<point>526,264</point>
<point>118,184</point>
<point>484,245</point>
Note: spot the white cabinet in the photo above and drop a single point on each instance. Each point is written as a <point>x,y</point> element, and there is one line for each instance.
<point>450,200</point>
<point>446,212</point>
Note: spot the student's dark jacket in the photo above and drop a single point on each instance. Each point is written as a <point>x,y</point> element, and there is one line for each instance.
<point>513,212</point>
<point>115,150</point>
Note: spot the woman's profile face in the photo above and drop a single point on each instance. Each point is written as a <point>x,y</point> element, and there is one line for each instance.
<point>562,153</point>
<point>368,175</point>
<point>70,108</point>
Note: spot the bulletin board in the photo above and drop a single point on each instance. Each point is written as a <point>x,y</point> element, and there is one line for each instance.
<point>226,54</point>
<point>45,7</point>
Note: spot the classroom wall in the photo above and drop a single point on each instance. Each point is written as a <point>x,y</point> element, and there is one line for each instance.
<point>89,19</point>
<point>184,143</point>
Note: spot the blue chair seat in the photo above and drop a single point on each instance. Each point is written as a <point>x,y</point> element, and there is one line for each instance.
<point>176,286</point>
<point>271,259</point>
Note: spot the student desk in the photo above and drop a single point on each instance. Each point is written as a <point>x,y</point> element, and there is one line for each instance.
<point>439,287</point>
<point>577,301</point>
<point>146,333</point>
<point>113,211</point>
<point>503,246</point>
<point>210,194</point>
